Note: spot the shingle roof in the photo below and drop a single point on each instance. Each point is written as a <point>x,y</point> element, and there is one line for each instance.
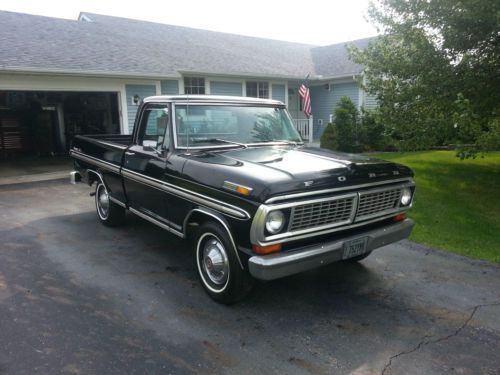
<point>333,60</point>
<point>120,46</point>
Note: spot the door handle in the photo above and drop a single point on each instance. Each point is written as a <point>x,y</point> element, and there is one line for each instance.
<point>129,153</point>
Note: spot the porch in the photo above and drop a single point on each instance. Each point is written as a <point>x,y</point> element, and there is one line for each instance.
<point>305,128</point>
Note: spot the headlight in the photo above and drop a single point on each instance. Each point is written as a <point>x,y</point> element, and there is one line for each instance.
<point>405,196</point>
<point>275,221</point>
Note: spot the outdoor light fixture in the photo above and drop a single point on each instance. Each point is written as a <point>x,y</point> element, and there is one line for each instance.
<point>136,99</point>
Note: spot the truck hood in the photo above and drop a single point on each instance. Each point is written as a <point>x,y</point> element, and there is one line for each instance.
<point>278,170</point>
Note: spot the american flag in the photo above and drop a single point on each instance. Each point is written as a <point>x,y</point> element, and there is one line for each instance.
<point>306,98</point>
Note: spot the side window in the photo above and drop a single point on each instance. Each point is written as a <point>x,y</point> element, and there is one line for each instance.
<point>155,130</point>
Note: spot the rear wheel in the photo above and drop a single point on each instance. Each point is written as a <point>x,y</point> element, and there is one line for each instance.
<point>108,212</point>
<point>218,267</point>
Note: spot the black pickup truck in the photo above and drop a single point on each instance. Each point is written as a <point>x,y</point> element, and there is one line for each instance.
<point>233,176</point>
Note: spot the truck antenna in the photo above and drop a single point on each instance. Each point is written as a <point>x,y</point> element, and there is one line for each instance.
<point>187,126</point>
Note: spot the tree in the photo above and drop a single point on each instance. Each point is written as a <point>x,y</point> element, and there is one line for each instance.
<point>433,57</point>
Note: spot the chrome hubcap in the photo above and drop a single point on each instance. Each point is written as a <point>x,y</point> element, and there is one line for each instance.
<point>103,202</point>
<point>215,262</point>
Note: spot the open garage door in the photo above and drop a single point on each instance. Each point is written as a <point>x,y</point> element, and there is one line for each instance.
<point>44,122</point>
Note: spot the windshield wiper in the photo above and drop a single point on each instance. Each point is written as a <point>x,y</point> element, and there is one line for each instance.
<point>218,140</point>
<point>285,141</point>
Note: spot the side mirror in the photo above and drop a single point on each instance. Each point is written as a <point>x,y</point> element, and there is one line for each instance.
<point>160,151</point>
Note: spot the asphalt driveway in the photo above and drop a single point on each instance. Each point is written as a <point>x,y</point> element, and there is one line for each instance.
<point>79,298</point>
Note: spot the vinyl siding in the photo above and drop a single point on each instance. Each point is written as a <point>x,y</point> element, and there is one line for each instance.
<point>143,91</point>
<point>169,87</point>
<point>226,88</point>
<point>323,102</point>
<point>279,93</point>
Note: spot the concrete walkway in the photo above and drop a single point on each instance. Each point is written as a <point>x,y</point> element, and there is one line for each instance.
<point>34,178</point>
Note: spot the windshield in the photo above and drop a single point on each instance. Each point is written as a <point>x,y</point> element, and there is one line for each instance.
<point>220,125</point>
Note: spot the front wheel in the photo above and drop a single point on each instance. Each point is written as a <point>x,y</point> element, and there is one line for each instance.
<point>218,267</point>
<point>108,212</point>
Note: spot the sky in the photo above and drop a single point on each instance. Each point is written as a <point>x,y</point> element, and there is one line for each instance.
<point>318,22</point>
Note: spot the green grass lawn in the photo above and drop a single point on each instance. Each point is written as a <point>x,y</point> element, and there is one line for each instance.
<point>457,203</point>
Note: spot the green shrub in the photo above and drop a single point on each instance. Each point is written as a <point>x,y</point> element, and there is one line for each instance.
<point>346,123</point>
<point>328,138</point>
<point>344,134</point>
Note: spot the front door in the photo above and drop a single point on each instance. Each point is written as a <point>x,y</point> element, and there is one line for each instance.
<point>145,163</point>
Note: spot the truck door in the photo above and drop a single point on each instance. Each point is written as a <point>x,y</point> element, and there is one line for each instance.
<point>145,162</point>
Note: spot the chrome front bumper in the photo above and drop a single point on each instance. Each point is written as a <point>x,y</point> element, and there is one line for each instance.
<point>278,265</point>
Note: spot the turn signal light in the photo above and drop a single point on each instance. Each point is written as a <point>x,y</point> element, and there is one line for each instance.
<point>243,190</point>
<point>399,217</point>
<point>267,249</point>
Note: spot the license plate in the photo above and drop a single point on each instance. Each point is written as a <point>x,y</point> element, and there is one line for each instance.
<point>354,248</point>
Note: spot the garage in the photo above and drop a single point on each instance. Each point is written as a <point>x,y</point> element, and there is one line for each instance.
<point>42,123</point>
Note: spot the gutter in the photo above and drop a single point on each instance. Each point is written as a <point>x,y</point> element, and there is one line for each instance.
<point>173,75</point>
<point>85,73</point>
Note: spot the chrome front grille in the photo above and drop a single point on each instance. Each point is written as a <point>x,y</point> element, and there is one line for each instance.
<point>343,210</point>
<point>329,212</point>
<point>377,203</point>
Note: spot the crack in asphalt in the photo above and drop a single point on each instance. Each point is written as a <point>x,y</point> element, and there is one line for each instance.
<point>424,342</point>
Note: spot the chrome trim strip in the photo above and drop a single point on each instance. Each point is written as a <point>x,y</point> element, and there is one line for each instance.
<point>92,160</point>
<point>161,219</point>
<point>186,221</point>
<point>98,175</point>
<point>332,230</point>
<point>235,103</point>
<point>326,191</point>
<point>228,146</point>
<point>102,142</point>
<point>184,193</point>
<point>118,202</point>
<point>156,222</point>
<point>207,99</point>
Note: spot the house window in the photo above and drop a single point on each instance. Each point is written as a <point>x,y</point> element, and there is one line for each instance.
<point>258,89</point>
<point>194,86</point>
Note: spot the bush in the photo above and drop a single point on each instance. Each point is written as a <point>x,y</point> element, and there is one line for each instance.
<point>328,137</point>
<point>344,133</point>
<point>346,123</point>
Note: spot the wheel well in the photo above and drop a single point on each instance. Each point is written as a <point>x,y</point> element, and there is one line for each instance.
<point>194,220</point>
<point>199,216</point>
<point>94,176</point>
